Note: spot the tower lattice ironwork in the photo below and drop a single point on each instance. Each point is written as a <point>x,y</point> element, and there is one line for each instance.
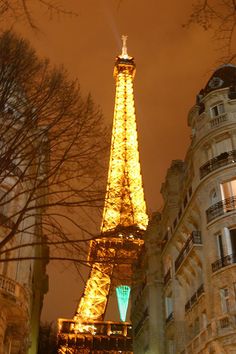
<point>124,217</point>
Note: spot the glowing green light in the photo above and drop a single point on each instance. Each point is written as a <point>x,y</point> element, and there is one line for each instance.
<point>122,293</point>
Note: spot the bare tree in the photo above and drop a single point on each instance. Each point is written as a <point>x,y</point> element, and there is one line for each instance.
<point>52,150</point>
<point>220,17</point>
<point>25,11</point>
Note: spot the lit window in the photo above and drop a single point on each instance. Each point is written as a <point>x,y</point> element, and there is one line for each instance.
<point>228,189</point>
<point>224,295</point>
<point>217,110</point>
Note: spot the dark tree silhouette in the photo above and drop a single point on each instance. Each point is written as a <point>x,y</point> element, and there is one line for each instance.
<point>47,339</point>
<point>52,146</point>
<point>26,11</point>
<point>220,17</point>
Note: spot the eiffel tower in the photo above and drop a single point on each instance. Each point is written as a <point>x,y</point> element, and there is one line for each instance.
<point>124,221</point>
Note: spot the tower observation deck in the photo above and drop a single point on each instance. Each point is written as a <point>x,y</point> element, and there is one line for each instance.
<point>124,221</point>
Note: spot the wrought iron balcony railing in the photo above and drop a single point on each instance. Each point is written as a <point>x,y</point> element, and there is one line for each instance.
<point>194,239</point>
<point>224,159</point>
<point>223,262</point>
<point>189,304</point>
<point>220,208</point>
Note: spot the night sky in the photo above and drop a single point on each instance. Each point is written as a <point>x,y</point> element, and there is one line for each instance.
<point>173,64</point>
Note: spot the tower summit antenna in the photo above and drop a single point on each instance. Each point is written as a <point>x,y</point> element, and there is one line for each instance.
<point>124,47</point>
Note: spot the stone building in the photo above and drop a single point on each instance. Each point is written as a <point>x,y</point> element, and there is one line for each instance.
<point>23,282</point>
<point>184,297</point>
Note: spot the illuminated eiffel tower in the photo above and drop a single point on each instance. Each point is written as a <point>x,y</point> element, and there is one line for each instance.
<point>124,221</point>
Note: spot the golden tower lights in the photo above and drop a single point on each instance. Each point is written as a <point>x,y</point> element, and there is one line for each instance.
<point>124,215</point>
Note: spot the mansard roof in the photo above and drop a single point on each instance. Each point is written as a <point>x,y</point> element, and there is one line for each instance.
<point>224,76</point>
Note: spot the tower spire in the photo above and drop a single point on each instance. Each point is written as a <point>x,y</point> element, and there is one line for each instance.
<point>124,54</point>
<point>124,219</point>
<point>124,202</point>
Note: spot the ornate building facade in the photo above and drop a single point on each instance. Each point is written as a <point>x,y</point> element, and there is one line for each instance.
<point>184,300</point>
<point>23,279</point>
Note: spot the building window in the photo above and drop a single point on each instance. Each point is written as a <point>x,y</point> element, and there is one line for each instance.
<point>213,196</point>
<point>204,319</point>
<point>228,194</point>
<point>217,110</point>
<point>190,191</point>
<point>220,247</point>
<point>196,326</point>
<point>169,305</point>
<point>231,241</point>
<point>185,201</point>
<point>224,296</point>
<point>235,291</point>
<point>190,331</point>
<point>222,146</point>
<point>228,189</point>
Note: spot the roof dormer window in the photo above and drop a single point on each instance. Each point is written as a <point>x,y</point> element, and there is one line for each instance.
<point>217,110</point>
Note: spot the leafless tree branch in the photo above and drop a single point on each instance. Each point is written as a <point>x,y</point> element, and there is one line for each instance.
<point>219,16</point>
<point>26,10</point>
<point>52,148</point>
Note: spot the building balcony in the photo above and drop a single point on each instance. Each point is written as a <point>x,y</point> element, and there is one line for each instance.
<point>220,208</point>
<point>220,327</point>
<point>193,240</point>
<point>215,122</point>
<point>224,159</point>
<point>14,296</point>
<point>193,300</point>
<point>223,262</point>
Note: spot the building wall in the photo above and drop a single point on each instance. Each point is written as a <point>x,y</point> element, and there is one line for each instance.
<point>191,252</point>
<point>23,283</point>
